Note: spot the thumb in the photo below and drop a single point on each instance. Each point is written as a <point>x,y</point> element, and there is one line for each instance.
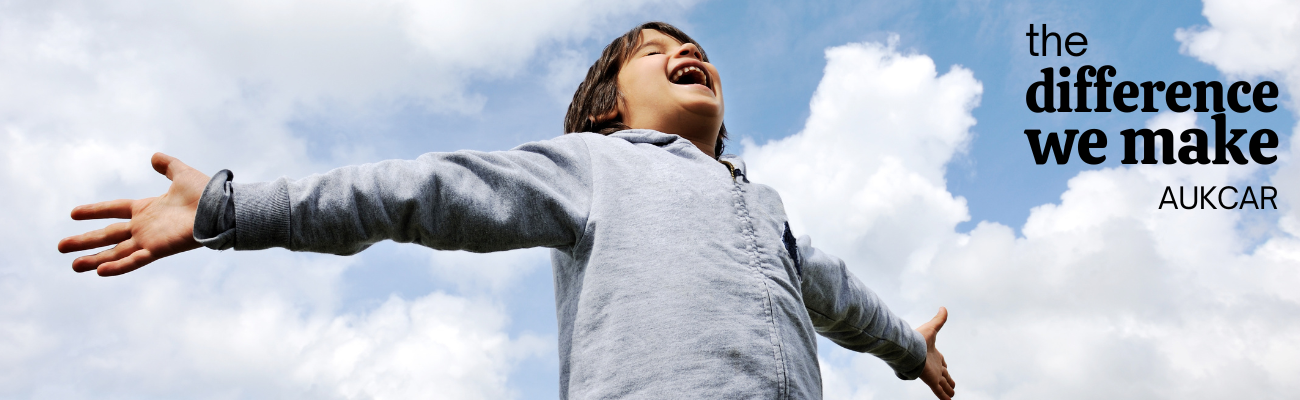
<point>167,165</point>
<point>939,319</point>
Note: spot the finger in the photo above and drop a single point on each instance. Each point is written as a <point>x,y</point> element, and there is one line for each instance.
<point>947,389</point>
<point>104,209</point>
<point>160,163</point>
<point>111,234</point>
<point>940,392</point>
<point>168,165</point>
<point>132,262</point>
<point>939,319</point>
<point>91,262</point>
<point>951,382</point>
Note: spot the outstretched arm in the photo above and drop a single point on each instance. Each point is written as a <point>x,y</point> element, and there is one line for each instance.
<point>157,227</point>
<point>534,195</point>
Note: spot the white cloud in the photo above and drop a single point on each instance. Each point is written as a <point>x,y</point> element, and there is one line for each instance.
<point>1104,295</point>
<point>564,72</point>
<point>491,272</point>
<point>1256,40</point>
<point>867,170</point>
<point>222,328</point>
<point>91,89</point>
<point>1250,39</point>
<point>437,344</point>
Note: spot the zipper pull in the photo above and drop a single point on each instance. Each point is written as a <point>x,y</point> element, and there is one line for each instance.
<point>731,169</point>
<point>735,171</point>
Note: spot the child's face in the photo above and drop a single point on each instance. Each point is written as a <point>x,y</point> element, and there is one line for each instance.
<point>666,87</point>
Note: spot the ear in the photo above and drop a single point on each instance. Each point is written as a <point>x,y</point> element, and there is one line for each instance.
<point>609,116</point>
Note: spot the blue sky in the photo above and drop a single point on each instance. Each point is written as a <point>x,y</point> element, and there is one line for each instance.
<point>298,88</point>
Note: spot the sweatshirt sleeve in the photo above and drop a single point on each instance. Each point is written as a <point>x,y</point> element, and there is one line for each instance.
<point>848,313</point>
<point>534,195</point>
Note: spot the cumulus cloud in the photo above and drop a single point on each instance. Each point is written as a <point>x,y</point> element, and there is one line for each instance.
<point>93,88</point>
<point>216,329</point>
<point>1247,39</point>
<point>491,272</point>
<point>1255,40</point>
<point>867,170</point>
<point>1103,296</point>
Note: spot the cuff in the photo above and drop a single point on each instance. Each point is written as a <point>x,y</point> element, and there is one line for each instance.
<point>214,221</point>
<point>262,214</point>
<point>914,363</point>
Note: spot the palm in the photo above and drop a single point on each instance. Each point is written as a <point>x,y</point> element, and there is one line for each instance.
<point>158,226</point>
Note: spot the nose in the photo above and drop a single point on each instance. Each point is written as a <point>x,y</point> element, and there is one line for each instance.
<point>690,50</point>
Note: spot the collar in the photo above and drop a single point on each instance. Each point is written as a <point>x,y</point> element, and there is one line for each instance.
<point>682,146</point>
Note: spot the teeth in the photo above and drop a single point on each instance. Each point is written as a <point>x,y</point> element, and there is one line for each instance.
<point>678,75</point>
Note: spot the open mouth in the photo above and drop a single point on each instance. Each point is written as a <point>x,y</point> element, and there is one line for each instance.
<point>690,75</point>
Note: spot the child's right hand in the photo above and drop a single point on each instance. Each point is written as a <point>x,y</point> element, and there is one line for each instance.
<point>158,227</point>
<point>935,373</point>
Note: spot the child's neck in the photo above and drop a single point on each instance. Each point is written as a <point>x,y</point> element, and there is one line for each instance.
<point>705,140</point>
<point>706,147</point>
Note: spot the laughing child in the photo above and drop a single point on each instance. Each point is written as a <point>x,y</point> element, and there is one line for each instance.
<point>674,275</point>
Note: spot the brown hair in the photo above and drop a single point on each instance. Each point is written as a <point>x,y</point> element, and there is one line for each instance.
<point>599,95</point>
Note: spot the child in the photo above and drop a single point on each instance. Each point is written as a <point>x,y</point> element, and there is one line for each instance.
<point>675,276</point>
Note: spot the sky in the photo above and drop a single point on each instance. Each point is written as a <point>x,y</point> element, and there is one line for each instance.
<point>893,131</point>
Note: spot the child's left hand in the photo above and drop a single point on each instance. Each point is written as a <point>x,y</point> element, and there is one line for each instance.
<point>935,373</point>
<point>158,226</point>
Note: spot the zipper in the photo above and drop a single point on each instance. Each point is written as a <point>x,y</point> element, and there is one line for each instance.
<point>774,335</point>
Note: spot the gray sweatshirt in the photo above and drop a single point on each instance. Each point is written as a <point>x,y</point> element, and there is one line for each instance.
<point>674,275</point>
